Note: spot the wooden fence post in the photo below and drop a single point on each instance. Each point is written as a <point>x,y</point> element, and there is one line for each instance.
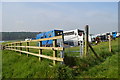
<point>86,39</point>
<point>16,45</point>
<point>110,47</point>
<point>5,46</point>
<point>54,51</point>
<point>20,48</point>
<point>27,49</point>
<point>40,50</point>
<point>13,45</point>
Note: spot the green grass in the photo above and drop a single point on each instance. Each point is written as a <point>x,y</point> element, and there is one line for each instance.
<point>16,66</point>
<point>107,69</point>
<point>0,64</point>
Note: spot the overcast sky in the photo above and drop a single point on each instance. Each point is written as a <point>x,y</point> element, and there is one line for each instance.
<point>44,16</point>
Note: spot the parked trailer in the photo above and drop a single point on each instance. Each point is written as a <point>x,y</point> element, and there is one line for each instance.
<point>73,37</point>
<point>114,34</point>
<point>92,38</point>
<point>103,37</point>
<point>49,34</point>
<point>118,34</point>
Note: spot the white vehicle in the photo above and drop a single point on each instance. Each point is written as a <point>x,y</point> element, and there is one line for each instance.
<point>28,39</point>
<point>92,37</point>
<point>118,34</point>
<point>73,37</point>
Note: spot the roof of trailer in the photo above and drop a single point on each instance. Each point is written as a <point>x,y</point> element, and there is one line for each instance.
<point>74,30</point>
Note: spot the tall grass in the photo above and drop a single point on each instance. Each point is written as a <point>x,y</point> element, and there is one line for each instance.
<point>16,66</point>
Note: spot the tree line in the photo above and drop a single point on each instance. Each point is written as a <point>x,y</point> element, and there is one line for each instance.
<point>17,35</point>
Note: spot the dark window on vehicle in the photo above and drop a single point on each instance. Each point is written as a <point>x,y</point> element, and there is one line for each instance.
<point>113,32</point>
<point>57,33</point>
<point>80,32</point>
<point>69,33</point>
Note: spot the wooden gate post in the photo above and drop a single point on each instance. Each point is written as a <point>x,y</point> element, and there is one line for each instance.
<point>54,51</point>
<point>82,46</point>
<point>110,47</point>
<point>86,39</point>
<point>62,45</point>
<point>40,50</point>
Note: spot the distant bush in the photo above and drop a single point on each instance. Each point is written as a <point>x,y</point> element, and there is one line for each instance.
<point>17,35</point>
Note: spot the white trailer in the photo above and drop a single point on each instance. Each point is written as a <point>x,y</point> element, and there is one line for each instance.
<point>73,36</point>
<point>118,34</point>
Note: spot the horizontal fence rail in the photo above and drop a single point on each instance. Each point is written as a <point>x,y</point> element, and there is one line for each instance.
<point>35,47</point>
<point>19,44</point>
<point>44,56</point>
<point>37,40</point>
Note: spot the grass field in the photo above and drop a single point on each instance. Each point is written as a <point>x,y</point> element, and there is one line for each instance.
<point>16,66</point>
